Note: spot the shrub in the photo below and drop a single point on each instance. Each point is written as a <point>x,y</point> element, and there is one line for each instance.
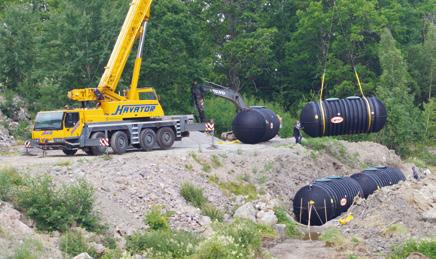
<point>58,208</point>
<point>30,249</point>
<point>426,247</point>
<point>22,131</point>
<point>79,200</point>
<point>163,244</point>
<point>291,227</point>
<point>156,220</point>
<point>9,180</point>
<point>74,243</point>
<point>193,195</point>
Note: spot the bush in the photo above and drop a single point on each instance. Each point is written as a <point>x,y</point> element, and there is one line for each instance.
<point>58,208</point>
<point>291,227</point>
<point>193,195</point>
<point>9,180</point>
<point>426,247</point>
<point>22,131</point>
<point>163,244</point>
<point>74,243</point>
<point>156,220</point>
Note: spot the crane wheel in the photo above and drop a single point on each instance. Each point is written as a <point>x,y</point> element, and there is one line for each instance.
<point>147,139</point>
<point>88,151</point>
<point>69,152</point>
<point>119,142</point>
<point>165,137</point>
<point>99,150</point>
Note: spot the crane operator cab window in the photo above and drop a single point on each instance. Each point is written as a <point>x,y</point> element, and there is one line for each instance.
<point>71,119</point>
<point>147,96</point>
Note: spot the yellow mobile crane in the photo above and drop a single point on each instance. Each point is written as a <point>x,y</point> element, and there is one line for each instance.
<point>135,119</point>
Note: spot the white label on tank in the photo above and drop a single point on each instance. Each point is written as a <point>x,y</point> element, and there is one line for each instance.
<point>343,202</point>
<point>337,120</point>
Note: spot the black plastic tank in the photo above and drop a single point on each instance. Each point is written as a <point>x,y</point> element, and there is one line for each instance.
<point>328,197</point>
<point>255,125</point>
<point>343,116</point>
<point>375,178</point>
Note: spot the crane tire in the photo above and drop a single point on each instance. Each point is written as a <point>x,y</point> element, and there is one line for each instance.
<point>119,142</point>
<point>165,138</point>
<point>98,150</point>
<point>69,152</point>
<point>147,139</point>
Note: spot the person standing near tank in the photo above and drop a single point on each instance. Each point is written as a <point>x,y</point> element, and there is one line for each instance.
<point>297,133</point>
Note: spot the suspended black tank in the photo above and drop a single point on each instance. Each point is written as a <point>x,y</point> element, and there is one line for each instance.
<point>325,199</point>
<point>343,116</point>
<point>375,178</point>
<point>255,125</point>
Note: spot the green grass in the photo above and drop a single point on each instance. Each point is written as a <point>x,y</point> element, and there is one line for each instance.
<point>196,197</point>
<point>333,237</point>
<point>426,247</point>
<point>291,226</point>
<point>204,165</point>
<point>212,212</point>
<point>73,243</point>
<point>237,188</point>
<point>30,249</point>
<point>216,163</point>
<point>193,195</point>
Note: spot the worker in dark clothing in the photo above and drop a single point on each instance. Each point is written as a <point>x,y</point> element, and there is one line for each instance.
<point>297,133</point>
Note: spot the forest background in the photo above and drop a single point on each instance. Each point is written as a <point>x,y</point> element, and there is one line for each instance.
<point>272,51</point>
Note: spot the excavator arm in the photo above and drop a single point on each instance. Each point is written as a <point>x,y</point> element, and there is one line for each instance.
<point>134,25</point>
<point>198,91</point>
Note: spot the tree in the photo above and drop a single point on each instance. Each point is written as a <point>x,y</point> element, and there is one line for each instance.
<point>405,121</point>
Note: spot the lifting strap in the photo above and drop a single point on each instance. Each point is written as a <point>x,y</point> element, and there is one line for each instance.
<point>359,83</point>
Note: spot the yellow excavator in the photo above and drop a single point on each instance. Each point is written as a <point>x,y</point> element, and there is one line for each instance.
<point>132,120</point>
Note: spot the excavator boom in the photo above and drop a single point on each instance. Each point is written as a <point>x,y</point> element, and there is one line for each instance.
<point>198,91</point>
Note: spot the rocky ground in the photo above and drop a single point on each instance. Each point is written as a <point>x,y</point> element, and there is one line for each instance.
<point>128,186</point>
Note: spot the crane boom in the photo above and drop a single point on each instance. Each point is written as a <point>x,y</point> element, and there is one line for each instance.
<point>138,13</point>
<point>134,23</point>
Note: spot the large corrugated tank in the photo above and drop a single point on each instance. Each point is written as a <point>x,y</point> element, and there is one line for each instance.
<point>343,116</point>
<point>325,199</point>
<point>255,125</point>
<point>375,178</point>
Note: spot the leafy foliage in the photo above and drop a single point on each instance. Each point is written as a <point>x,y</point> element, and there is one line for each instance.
<point>272,52</point>
<point>426,247</point>
<point>58,208</point>
<point>156,220</point>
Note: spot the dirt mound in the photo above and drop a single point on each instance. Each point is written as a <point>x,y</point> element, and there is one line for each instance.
<point>128,186</point>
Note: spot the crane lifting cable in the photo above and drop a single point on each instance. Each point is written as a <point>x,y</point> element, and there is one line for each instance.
<point>334,116</point>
